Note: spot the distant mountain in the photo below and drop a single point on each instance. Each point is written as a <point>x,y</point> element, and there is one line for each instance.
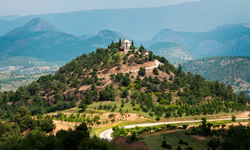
<point>35,25</point>
<point>232,70</point>
<point>171,51</point>
<point>42,40</point>
<point>10,17</point>
<point>143,23</point>
<point>223,40</point>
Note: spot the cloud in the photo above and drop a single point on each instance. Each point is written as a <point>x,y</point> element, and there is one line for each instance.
<point>28,7</point>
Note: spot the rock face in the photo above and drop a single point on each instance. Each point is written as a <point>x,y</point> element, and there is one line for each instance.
<point>171,51</point>
<point>224,40</point>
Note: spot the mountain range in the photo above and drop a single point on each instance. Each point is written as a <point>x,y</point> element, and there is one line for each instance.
<point>42,40</point>
<point>224,40</point>
<point>144,23</point>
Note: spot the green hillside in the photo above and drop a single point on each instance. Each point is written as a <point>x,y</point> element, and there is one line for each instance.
<point>232,70</point>
<point>99,77</point>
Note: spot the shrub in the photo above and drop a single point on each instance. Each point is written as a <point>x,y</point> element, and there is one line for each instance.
<point>111,115</point>
<point>126,81</point>
<point>187,133</point>
<point>182,142</point>
<point>165,145</point>
<point>184,126</point>
<point>133,137</point>
<point>98,122</point>
<point>158,118</point>
<point>214,143</point>
<point>142,71</point>
<point>137,108</point>
<point>98,83</point>
<point>189,148</point>
<point>155,71</point>
<point>233,118</point>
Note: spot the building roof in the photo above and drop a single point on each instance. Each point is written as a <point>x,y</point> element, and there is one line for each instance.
<point>126,41</point>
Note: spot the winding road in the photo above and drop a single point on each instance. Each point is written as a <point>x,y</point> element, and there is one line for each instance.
<point>107,133</point>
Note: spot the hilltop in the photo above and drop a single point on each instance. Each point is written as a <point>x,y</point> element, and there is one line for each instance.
<point>231,70</point>
<point>224,40</point>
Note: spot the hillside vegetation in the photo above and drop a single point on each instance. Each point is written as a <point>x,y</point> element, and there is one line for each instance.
<point>104,76</point>
<point>231,70</point>
<point>105,81</point>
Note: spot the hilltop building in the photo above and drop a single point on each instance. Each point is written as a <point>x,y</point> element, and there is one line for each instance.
<point>126,45</point>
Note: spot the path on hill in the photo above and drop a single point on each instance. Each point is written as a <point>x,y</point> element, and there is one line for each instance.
<point>107,133</point>
<point>156,62</point>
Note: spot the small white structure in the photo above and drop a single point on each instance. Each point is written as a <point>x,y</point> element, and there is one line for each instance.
<point>126,45</point>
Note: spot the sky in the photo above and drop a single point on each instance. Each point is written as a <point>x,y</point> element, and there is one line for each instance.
<point>35,7</point>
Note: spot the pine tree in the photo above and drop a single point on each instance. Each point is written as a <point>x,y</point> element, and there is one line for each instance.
<point>120,42</point>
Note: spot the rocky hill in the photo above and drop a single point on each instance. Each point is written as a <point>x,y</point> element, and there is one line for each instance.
<point>171,51</point>
<point>224,40</point>
<point>228,69</point>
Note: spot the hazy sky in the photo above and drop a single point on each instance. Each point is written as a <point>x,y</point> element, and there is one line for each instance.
<point>33,7</point>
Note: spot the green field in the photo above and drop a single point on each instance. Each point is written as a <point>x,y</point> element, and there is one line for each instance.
<point>154,142</point>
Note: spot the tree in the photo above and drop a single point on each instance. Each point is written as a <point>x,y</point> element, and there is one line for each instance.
<point>33,88</point>
<point>126,81</point>
<point>233,118</point>
<point>155,71</point>
<point>47,124</point>
<point>120,42</point>
<point>242,98</point>
<point>125,93</point>
<point>179,148</point>
<point>133,137</point>
<point>83,106</point>
<point>171,77</point>
<point>141,48</point>
<point>142,71</point>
